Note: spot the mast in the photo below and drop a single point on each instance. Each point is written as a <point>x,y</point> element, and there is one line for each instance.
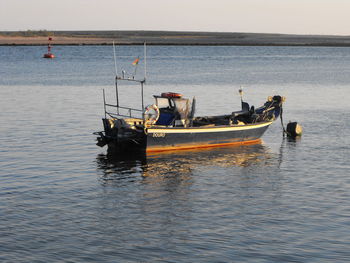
<point>115,60</point>
<point>116,77</point>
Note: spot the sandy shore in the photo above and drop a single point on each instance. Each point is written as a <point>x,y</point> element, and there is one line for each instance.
<point>172,38</point>
<point>60,40</point>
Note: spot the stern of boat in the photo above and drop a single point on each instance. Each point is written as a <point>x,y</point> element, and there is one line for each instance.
<point>122,133</point>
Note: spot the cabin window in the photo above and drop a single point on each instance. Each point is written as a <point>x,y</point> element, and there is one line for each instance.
<point>183,107</point>
<point>163,103</point>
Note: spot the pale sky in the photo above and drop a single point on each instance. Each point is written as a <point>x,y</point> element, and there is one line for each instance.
<point>325,17</point>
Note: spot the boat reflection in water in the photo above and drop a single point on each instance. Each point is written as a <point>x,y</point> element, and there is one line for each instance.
<point>179,163</point>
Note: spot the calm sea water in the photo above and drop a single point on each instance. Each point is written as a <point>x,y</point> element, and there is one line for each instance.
<point>63,200</point>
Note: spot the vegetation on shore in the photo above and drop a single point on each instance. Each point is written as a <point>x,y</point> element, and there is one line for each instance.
<point>28,33</point>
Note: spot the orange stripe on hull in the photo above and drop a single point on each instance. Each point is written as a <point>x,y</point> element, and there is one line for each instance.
<point>196,146</point>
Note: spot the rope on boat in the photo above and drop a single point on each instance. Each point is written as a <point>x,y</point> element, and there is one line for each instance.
<point>281,117</point>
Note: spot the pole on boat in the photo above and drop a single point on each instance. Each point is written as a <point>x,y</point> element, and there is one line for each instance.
<point>142,103</point>
<point>104,103</point>
<point>241,93</point>
<point>145,55</point>
<point>115,60</point>
<point>116,77</point>
<point>144,80</point>
<point>116,93</point>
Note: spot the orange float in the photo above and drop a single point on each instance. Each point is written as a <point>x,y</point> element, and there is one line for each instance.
<point>171,95</point>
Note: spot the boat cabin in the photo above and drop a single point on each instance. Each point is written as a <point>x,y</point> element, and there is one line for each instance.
<point>174,110</point>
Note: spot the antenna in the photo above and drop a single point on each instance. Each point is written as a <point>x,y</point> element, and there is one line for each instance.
<point>115,61</point>
<point>116,76</point>
<point>145,55</point>
<point>241,92</point>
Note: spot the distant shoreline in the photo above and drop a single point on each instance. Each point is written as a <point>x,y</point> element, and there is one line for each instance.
<point>37,38</point>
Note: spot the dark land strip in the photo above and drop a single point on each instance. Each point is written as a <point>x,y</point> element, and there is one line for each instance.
<point>168,38</point>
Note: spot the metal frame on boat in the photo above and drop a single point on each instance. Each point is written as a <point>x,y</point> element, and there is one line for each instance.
<point>170,123</point>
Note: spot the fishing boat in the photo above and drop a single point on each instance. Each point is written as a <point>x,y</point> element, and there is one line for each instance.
<point>170,122</point>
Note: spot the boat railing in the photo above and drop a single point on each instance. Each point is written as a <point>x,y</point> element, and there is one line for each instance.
<point>122,111</point>
<point>115,110</point>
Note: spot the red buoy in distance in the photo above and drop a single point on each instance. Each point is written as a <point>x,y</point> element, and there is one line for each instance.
<point>49,54</point>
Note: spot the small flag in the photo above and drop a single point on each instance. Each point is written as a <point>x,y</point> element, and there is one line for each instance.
<point>136,61</point>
